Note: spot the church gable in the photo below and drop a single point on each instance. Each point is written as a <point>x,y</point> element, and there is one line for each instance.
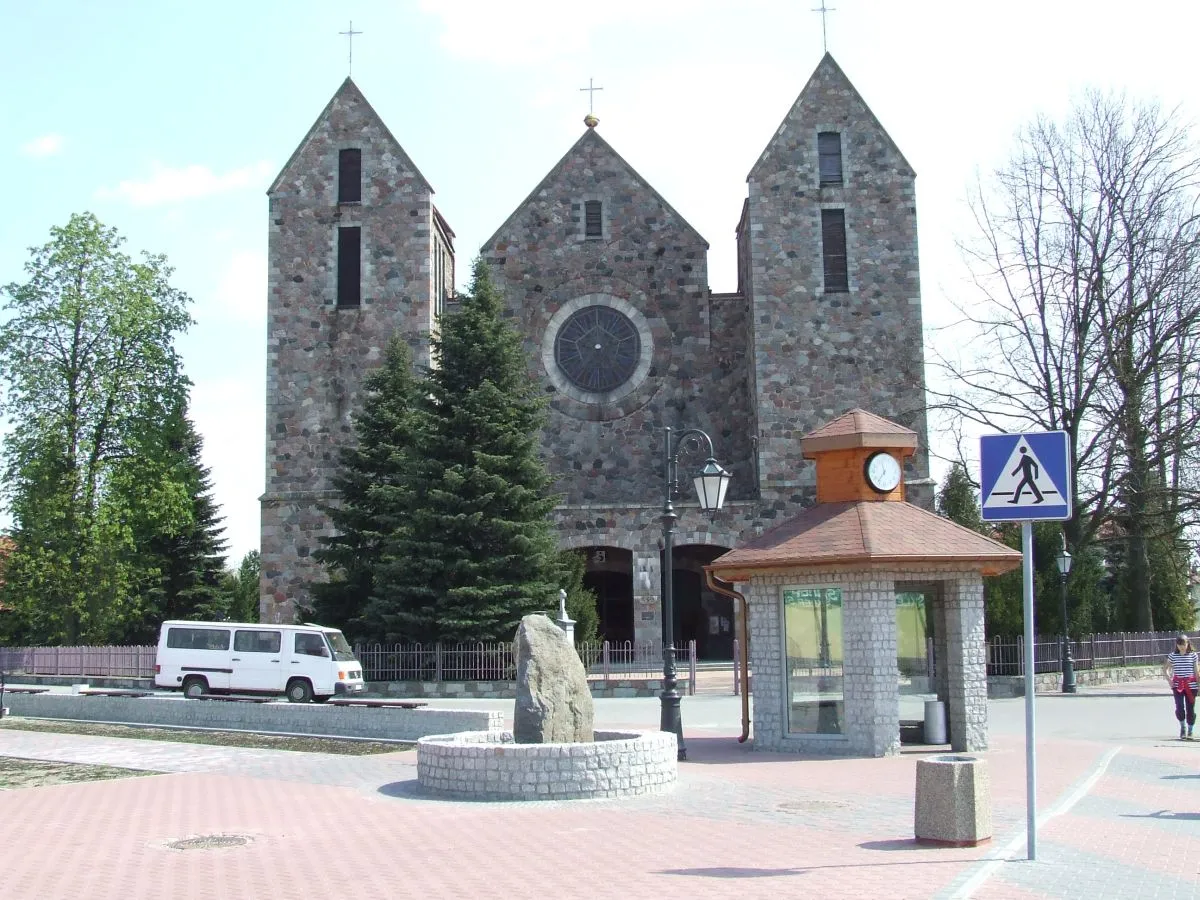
<point>830,104</point>
<point>592,194</point>
<point>348,122</point>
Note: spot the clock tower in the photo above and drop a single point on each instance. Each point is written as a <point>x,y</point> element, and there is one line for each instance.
<point>859,456</point>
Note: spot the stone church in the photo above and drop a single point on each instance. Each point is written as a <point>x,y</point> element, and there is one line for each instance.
<point>609,286</point>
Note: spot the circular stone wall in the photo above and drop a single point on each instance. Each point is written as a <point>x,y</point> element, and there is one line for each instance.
<point>488,765</point>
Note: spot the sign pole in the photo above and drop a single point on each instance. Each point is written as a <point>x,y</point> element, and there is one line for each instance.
<point>1026,478</point>
<point>1030,756</point>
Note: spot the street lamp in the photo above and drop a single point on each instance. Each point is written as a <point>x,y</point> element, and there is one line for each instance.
<point>1068,663</point>
<point>711,483</point>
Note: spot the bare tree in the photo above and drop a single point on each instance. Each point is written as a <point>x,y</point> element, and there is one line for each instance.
<point>1088,316</point>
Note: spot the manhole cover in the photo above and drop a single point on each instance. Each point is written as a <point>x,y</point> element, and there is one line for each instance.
<point>210,842</point>
<point>807,806</point>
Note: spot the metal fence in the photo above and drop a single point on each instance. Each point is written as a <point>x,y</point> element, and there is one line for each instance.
<point>605,661</point>
<point>115,662</point>
<point>1006,656</point>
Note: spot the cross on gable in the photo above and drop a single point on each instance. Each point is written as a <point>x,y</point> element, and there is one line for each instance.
<point>591,95</point>
<point>824,10</point>
<point>349,35</point>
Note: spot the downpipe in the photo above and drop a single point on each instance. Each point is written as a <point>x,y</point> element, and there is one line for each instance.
<point>726,588</point>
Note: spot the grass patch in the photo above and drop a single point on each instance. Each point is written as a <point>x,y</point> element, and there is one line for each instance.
<point>30,773</point>
<point>217,738</point>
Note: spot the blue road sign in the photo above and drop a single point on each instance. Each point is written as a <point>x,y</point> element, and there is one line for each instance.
<point>1025,477</point>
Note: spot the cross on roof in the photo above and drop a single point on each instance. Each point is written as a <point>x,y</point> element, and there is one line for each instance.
<point>823,9</point>
<point>350,42</point>
<point>591,94</point>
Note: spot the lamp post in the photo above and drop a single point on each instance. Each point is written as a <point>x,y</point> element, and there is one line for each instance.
<point>711,482</point>
<point>1068,663</point>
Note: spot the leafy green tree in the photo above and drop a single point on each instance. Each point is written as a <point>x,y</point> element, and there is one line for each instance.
<point>373,499</point>
<point>1087,319</point>
<point>89,369</point>
<point>476,550</point>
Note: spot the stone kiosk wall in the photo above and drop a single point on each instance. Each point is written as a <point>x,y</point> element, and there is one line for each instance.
<point>870,687</point>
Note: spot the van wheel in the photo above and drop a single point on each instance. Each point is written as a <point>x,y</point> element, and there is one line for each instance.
<point>299,691</point>
<point>194,686</point>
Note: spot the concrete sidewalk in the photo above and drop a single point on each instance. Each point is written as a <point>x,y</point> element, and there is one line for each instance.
<point>1124,822</point>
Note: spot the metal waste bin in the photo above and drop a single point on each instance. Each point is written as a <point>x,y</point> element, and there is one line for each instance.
<point>935,722</point>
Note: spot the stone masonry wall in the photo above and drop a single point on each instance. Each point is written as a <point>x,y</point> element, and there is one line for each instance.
<point>490,766</point>
<point>318,354</point>
<point>966,664</point>
<point>652,266</point>
<point>819,354</point>
<point>871,691</point>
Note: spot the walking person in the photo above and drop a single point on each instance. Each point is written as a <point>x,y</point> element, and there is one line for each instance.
<point>1180,671</point>
<point>1029,475</point>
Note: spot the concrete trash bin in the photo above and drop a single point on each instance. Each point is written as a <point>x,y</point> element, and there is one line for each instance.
<point>935,722</point>
<point>954,801</point>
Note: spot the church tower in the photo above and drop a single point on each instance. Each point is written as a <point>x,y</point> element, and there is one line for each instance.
<point>357,252</point>
<point>827,258</point>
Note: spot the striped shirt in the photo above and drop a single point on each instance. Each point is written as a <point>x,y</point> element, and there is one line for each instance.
<point>1183,665</point>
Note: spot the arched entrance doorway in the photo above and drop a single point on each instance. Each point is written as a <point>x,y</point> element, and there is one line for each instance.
<point>610,574</point>
<point>701,615</point>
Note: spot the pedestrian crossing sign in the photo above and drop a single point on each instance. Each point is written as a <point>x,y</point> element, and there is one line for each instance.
<point>1025,477</point>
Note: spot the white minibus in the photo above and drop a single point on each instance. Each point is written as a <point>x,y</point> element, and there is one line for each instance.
<point>305,662</point>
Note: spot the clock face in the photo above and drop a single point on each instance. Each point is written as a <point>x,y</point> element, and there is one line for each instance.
<point>883,472</point>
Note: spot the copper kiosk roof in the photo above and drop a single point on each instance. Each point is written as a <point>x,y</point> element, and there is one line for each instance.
<point>888,529</point>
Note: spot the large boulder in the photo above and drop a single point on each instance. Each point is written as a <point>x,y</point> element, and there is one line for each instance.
<point>553,704</point>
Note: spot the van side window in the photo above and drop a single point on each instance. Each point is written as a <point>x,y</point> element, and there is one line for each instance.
<point>198,638</point>
<point>310,645</point>
<point>257,641</point>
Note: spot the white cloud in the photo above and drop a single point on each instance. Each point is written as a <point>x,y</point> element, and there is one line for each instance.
<point>241,292</point>
<point>167,185</point>
<point>46,145</point>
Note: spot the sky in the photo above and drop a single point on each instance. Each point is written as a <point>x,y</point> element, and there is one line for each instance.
<point>169,121</point>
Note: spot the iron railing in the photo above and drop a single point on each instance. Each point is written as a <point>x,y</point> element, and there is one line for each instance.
<point>1006,656</point>
<point>606,661</point>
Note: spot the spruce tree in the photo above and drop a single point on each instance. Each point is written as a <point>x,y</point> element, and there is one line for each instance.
<point>372,503</point>
<point>164,503</point>
<point>957,499</point>
<point>476,550</point>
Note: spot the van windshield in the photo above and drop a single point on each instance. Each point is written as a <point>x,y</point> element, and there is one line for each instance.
<point>341,649</point>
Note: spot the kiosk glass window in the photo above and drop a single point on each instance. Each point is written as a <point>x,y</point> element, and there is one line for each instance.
<point>812,629</point>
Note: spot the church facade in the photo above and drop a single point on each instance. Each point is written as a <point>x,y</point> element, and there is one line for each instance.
<point>608,284</point>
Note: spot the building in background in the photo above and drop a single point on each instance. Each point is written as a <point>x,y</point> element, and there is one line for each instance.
<point>609,286</point>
